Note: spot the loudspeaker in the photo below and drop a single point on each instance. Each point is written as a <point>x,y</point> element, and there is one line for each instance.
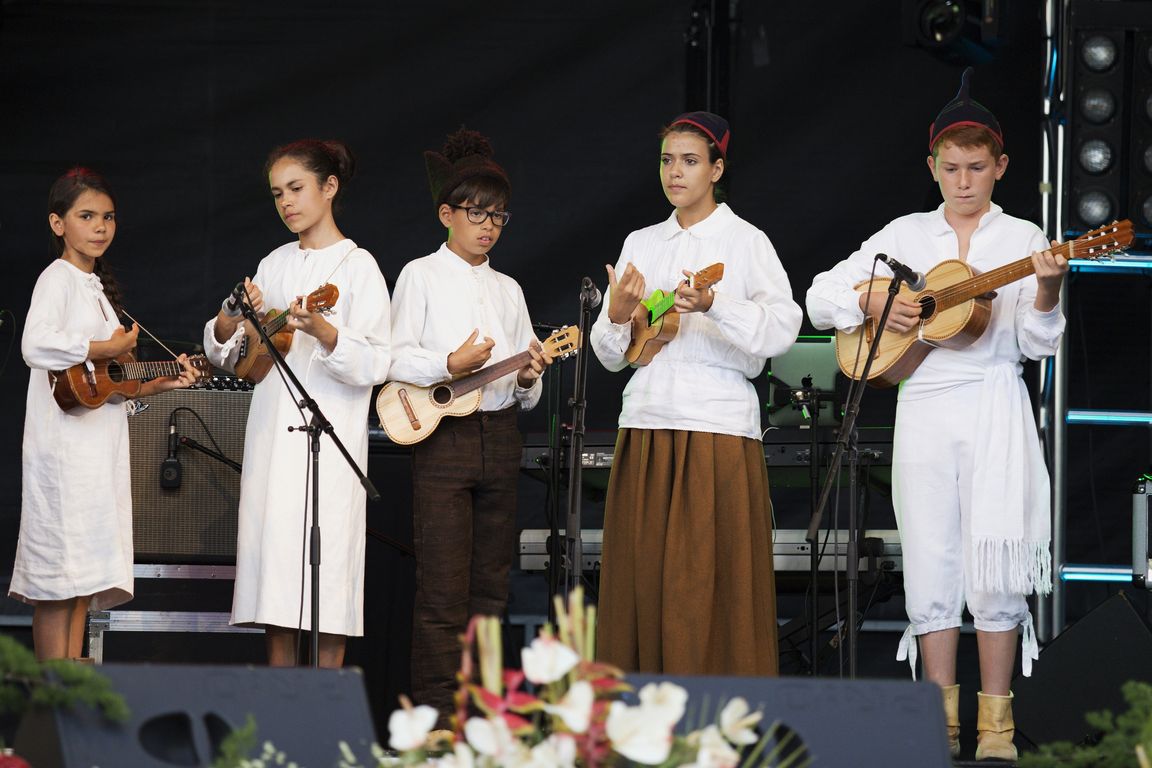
<point>196,521</point>
<point>1081,671</point>
<point>861,723</point>
<point>181,714</point>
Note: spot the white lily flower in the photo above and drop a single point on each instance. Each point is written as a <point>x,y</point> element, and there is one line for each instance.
<point>547,660</point>
<point>715,751</point>
<point>736,724</point>
<point>409,728</point>
<point>492,738</point>
<point>575,709</point>
<point>638,735</point>
<point>665,701</point>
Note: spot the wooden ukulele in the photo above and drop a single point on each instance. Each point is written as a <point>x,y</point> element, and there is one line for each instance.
<point>653,322</point>
<point>956,306</point>
<point>409,413</point>
<point>254,360</point>
<point>122,375</point>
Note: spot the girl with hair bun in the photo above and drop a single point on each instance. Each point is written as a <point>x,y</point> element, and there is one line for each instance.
<point>453,314</point>
<point>338,358</point>
<point>75,548</point>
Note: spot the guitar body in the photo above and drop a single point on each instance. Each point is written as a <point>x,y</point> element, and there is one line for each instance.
<point>647,339</point>
<point>409,413</point>
<point>901,353</point>
<point>255,361</point>
<point>77,386</point>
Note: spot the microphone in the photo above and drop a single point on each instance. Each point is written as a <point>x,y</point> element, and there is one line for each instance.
<point>915,280</point>
<point>589,293</point>
<point>171,472</point>
<point>232,305</point>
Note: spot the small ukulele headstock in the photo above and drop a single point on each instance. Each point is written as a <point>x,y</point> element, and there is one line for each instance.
<point>1101,243</point>
<point>563,342</point>
<point>708,276</point>
<point>322,299</point>
<point>201,365</point>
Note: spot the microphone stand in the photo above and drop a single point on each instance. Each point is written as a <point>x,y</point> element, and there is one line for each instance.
<point>555,548</point>
<point>846,443</point>
<point>574,545</point>
<point>190,443</point>
<point>317,425</point>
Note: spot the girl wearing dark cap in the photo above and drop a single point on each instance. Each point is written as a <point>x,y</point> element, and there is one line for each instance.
<point>338,358</point>
<point>687,586</point>
<point>452,313</point>
<point>75,547</point>
<point>969,483</point>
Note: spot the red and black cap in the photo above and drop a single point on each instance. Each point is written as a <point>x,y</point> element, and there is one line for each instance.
<point>713,125</point>
<point>964,110</point>
<point>466,155</point>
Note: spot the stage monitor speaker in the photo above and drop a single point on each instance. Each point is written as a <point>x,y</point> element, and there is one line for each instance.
<point>181,714</point>
<point>194,522</point>
<point>1081,671</point>
<point>858,723</point>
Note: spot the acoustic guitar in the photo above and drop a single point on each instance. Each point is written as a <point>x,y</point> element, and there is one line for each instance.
<point>90,384</point>
<point>409,413</point>
<point>956,307</point>
<point>653,322</point>
<point>255,360</point>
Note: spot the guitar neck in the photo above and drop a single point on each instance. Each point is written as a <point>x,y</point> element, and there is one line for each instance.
<point>491,373</point>
<point>275,324</point>
<point>152,370</point>
<point>661,307</point>
<point>983,283</point>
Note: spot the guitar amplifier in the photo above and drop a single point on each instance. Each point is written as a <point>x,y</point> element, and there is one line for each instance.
<point>194,522</point>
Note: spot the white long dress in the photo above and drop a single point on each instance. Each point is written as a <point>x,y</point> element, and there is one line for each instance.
<point>273,575</point>
<point>76,510</point>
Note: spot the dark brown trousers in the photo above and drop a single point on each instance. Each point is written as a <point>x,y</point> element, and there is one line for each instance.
<point>464,526</point>
<point>688,586</point>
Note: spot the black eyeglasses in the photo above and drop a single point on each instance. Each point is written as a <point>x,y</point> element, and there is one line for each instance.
<point>478,215</point>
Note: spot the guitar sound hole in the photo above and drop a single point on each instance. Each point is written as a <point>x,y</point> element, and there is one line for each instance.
<point>115,372</point>
<point>927,308</point>
<point>442,395</point>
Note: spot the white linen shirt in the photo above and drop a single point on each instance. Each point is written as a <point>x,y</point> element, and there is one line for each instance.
<point>921,241</point>
<point>699,381</point>
<point>438,301</point>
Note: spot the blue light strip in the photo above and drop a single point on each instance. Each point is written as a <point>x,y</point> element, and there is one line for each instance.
<point>1109,573</point>
<point>1119,264</point>
<point>1112,418</point>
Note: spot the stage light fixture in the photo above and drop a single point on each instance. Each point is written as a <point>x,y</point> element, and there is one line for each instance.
<point>941,22</point>
<point>1096,156</point>
<point>1098,105</point>
<point>958,31</point>
<point>1098,53</point>
<point>1095,208</point>
<point>1146,211</point>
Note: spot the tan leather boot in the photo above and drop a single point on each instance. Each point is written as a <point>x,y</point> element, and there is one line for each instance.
<point>995,728</point>
<point>952,716</point>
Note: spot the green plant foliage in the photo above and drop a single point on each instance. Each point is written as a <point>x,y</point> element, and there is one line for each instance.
<point>1119,739</point>
<point>53,684</point>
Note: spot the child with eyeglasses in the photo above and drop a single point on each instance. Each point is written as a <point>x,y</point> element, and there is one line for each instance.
<point>452,314</point>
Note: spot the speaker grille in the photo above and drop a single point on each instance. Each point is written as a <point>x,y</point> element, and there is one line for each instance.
<point>195,523</point>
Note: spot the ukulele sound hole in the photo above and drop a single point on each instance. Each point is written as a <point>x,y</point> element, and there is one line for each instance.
<point>115,372</point>
<point>442,395</point>
<point>927,308</point>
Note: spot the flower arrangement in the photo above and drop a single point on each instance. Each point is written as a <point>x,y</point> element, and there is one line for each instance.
<point>575,714</point>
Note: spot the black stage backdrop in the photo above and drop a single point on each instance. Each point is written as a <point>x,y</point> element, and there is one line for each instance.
<point>178,104</point>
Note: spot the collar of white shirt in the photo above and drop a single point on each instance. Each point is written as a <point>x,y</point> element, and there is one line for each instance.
<point>940,225</point>
<point>716,222</point>
<point>453,260</point>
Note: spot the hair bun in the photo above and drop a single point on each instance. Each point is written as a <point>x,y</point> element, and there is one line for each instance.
<point>465,143</point>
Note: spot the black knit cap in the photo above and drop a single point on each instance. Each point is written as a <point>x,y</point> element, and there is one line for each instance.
<point>715,126</point>
<point>466,155</point>
<point>964,110</point>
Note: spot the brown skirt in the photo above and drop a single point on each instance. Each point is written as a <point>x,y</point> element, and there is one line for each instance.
<point>687,585</point>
